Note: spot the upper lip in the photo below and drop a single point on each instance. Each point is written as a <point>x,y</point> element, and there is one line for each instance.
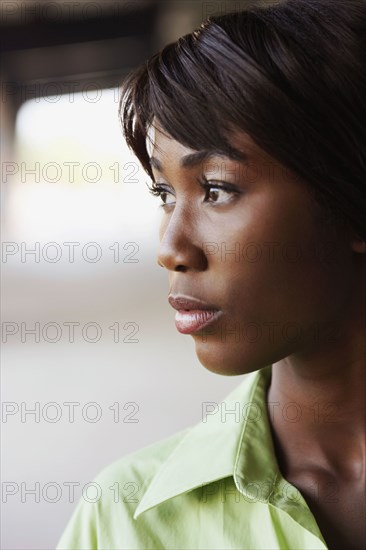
<point>179,302</point>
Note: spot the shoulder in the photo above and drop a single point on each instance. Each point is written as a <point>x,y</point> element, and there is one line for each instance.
<point>102,517</point>
<point>164,479</point>
<point>141,466</point>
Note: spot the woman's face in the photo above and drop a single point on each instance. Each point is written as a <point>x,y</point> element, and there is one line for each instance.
<point>254,247</point>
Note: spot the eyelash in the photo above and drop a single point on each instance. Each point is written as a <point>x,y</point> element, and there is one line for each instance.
<point>157,189</point>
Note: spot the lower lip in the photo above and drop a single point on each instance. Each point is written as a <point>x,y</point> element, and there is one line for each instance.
<point>195,319</point>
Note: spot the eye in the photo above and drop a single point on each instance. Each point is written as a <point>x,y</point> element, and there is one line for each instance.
<point>162,191</point>
<point>217,191</point>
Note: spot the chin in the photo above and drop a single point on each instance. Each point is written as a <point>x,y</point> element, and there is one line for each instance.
<point>228,360</point>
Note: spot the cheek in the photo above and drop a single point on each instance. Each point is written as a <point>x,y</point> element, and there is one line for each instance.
<point>283,277</point>
<point>278,264</point>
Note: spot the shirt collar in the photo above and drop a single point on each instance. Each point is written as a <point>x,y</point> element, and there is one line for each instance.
<point>225,443</point>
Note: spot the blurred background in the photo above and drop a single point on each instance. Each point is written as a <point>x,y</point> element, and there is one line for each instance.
<point>92,367</point>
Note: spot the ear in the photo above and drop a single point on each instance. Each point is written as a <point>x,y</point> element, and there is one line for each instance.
<point>358,245</point>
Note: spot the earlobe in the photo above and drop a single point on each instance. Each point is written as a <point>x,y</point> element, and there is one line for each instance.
<point>358,245</point>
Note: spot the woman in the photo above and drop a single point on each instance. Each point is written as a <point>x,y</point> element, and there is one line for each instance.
<point>252,131</point>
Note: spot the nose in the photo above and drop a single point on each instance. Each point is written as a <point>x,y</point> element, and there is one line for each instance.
<point>180,248</point>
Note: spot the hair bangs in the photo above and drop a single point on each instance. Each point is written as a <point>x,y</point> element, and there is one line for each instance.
<point>291,76</point>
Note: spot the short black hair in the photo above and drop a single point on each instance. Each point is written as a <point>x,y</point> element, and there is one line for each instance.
<point>291,75</point>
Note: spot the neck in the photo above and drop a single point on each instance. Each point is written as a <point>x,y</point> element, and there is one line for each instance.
<point>316,402</point>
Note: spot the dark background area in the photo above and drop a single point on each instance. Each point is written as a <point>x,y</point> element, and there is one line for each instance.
<point>63,46</point>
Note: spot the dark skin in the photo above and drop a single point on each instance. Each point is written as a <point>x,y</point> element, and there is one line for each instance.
<point>305,313</point>
<point>322,455</point>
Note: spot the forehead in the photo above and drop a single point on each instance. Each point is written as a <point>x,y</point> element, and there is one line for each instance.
<point>162,147</point>
<point>159,142</point>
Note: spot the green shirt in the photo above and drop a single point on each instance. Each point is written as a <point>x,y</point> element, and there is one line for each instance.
<point>215,485</point>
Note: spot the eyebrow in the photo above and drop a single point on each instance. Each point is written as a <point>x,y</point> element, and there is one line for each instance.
<point>192,159</point>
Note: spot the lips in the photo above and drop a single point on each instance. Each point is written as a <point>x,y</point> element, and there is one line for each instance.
<point>180,302</point>
<point>193,314</point>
